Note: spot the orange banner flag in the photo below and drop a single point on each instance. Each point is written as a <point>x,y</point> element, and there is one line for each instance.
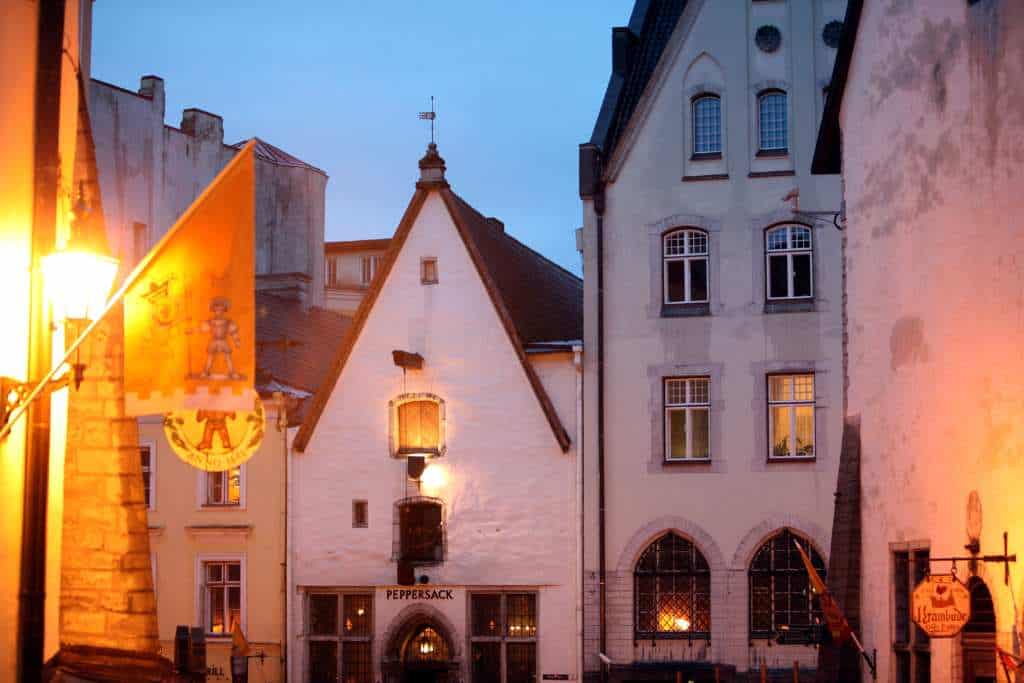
<point>189,318</point>
<point>837,624</point>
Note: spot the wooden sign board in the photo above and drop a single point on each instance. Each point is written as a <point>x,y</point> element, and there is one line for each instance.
<point>941,605</point>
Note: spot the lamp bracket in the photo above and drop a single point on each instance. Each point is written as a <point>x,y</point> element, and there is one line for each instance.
<point>14,392</point>
<point>974,548</point>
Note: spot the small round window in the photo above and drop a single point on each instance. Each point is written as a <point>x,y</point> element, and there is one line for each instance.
<point>768,38</point>
<point>830,34</point>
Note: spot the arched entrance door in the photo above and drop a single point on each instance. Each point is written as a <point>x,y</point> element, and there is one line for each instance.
<point>420,652</point>
<point>978,639</point>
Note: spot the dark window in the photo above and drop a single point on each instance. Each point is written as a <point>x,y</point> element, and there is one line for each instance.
<point>707,125</point>
<point>910,644</point>
<point>685,258</point>
<point>421,530</point>
<point>768,38</point>
<point>504,625</point>
<point>360,514</point>
<point>831,33</point>
<point>672,591</point>
<point>340,651</point>
<point>780,592</point>
<point>772,121</point>
<point>428,271</point>
<point>146,456</point>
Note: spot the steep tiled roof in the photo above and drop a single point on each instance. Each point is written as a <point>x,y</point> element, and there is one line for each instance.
<point>295,345</point>
<point>650,26</point>
<point>544,300</point>
<point>828,149</point>
<point>356,245</point>
<point>277,156</point>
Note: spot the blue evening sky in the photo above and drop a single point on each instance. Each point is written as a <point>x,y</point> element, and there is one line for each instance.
<point>338,84</point>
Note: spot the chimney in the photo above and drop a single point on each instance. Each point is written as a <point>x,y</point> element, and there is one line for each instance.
<point>152,87</point>
<point>202,124</point>
<point>623,46</point>
<point>432,169</point>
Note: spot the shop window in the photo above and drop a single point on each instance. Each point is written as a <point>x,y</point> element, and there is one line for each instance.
<point>791,416</point>
<point>788,263</point>
<point>687,419</point>
<point>685,267</point>
<point>672,591</point>
<point>780,594</point>
<point>420,531</point>
<point>222,596</point>
<point>417,425</point>
<point>503,627</point>
<point>911,646</point>
<point>340,630</point>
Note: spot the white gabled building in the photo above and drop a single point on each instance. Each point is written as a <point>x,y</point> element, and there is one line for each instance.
<point>464,358</point>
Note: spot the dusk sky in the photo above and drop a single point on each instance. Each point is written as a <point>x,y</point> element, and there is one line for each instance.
<point>338,84</point>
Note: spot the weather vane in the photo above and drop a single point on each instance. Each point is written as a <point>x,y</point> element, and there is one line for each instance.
<point>430,116</point>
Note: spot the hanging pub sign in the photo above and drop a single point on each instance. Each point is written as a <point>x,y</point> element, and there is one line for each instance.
<point>216,440</point>
<point>941,605</point>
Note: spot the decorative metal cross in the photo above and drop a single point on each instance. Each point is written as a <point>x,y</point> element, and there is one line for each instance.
<point>430,116</point>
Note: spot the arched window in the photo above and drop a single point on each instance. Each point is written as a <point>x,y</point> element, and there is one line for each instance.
<point>685,268</point>
<point>780,591</point>
<point>788,262</point>
<point>426,647</point>
<point>707,126</point>
<point>417,425</point>
<point>772,126</point>
<point>672,591</point>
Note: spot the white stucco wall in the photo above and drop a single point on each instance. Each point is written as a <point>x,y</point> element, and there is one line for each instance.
<point>509,491</point>
<point>932,157</point>
<point>730,506</point>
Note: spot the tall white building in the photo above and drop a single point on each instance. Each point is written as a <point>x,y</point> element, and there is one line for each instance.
<point>434,481</point>
<point>713,403</point>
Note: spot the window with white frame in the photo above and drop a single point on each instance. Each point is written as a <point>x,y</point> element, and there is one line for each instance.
<point>223,489</point>
<point>687,418</point>
<point>221,595</point>
<point>148,461</point>
<point>685,276</point>
<point>503,637</point>
<point>772,125</point>
<point>789,262</point>
<point>368,268</point>
<point>791,416</point>
<point>707,125</point>
<point>340,637</point>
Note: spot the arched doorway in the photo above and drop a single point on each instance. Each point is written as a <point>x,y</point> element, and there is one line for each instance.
<point>420,651</point>
<point>978,639</point>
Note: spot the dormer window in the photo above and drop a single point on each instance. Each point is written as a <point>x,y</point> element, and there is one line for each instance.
<point>417,426</point>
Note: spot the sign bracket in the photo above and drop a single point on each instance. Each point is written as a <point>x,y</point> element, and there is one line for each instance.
<point>974,548</point>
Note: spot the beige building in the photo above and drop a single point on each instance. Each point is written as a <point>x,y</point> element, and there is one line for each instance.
<point>713,405</point>
<point>926,106</point>
<point>350,267</point>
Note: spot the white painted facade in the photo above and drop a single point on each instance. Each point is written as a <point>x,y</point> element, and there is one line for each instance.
<point>729,505</point>
<point>508,489</point>
<point>932,174</point>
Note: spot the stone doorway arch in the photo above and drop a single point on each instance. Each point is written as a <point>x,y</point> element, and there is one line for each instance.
<point>420,648</point>
<point>978,639</point>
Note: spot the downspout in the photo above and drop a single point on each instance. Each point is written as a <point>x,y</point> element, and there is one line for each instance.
<point>282,428</point>
<point>289,552</point>
<point>601,568</point>
<point>577,361</point>
<point>46,171</point>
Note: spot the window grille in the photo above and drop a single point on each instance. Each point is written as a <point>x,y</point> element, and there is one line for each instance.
<point>772,126</point>
<point>788,261</point>
<point>340,650</point>
<point>685,266</point>
<point>687,419</point>
<point>503,637</point>
<point>780,592</point>
<point>672,591</point>
<point>791,416</point>
<point>707,125</point>
<point>419,533</point>
<point>911,646</point>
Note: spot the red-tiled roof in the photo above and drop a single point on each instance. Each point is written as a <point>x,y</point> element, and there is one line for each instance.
<point>277,156</point>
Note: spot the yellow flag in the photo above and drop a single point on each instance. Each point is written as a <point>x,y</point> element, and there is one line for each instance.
<point>189,314</point>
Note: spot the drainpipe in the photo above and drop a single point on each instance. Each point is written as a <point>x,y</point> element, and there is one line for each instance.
<point>46,164</point>
<point>577,361</point>
<point>288,661</point>
<point>282,428</point>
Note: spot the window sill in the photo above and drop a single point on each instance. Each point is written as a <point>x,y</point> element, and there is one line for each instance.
<point>772,153</point>
<point>686,461</point>
<point>788,458</point>
<point>771,174</point>
<point>672,636</point>
<point>698,178</point>
<point>221,506</point>
<point>706,156</point>
<point>694,310</point>
<point>789,306</point>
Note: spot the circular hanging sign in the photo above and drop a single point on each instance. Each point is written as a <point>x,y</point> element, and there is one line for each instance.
<point>941,605</point>
<point>215,440</point>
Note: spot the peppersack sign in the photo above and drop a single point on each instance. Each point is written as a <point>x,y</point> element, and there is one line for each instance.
<point>941,605</point>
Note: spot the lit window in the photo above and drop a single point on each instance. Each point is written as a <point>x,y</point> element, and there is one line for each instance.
<point>418,425</point>
<point>420,533</point>
<point>791,416</point>
<point>368,269</point>
<point>788,262</point>
<point>222,596</point>
<point>428,271</point>
<point>672,591</point>
<point>780,593</point>
<point>773,131</point>
<point>148,474</point>
<point>687,419</point>
<point>503,622</point>
<point>911,646</point>
<point>685,255</point>
<point>340,648</point>
<point>707,125</point>
<point>224,488</point>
